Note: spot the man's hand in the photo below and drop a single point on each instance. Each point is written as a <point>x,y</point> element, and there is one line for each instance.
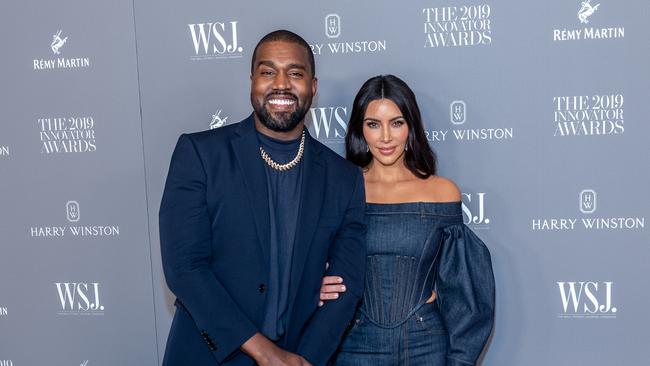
<point>331,288</point>
<point>266,353</point>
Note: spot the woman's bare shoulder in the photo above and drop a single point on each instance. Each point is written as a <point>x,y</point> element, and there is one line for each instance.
<point>441,189</point>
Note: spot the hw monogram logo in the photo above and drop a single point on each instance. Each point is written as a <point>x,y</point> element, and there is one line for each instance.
<point>586,10</point>
<point>458,112</point>
<point>72,211</point>
<point>587,201</point>
<point>332,25</point>
<point>57,42</point>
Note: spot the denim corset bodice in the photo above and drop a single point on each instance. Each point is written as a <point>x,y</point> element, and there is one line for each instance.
<point>403,243</point>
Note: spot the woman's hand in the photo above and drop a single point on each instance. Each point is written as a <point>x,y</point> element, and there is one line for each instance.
<point>331,288</point>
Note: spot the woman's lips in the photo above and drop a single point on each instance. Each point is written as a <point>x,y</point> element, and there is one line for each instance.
<point>386,150</point>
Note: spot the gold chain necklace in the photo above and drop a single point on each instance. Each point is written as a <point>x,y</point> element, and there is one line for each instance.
<point>289,165</point>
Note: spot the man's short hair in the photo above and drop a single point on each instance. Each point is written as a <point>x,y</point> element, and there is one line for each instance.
<point>284,35</point>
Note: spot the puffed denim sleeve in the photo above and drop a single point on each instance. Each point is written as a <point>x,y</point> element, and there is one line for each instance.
<point>465,292</point>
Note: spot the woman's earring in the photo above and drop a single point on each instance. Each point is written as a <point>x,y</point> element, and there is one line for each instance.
<point>406,147</point>
<point>367,148</point>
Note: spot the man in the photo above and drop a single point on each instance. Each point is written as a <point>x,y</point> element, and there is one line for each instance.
<point>250,215</point>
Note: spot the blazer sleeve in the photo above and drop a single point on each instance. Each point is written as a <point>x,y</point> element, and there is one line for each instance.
<point>347,258</point>
<point>185,242</point>
<point>465,290</point>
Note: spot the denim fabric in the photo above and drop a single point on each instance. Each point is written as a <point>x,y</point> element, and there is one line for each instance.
<point>414,248</point>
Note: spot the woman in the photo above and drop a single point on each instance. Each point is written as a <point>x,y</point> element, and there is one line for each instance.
<point>429,292</point>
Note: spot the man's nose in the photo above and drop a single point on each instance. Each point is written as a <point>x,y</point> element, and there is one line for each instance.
<point>281,81</point>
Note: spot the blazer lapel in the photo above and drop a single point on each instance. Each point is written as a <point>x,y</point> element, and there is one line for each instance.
<point>246,148</point>
<point>311,198</point>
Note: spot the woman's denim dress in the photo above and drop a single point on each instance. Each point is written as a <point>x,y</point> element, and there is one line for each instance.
<point>414,248</point>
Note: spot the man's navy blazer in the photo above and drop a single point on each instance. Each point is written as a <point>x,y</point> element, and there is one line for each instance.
<point>214,238</point>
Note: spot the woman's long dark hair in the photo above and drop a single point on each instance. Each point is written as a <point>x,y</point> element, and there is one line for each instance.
<point>418,157</point>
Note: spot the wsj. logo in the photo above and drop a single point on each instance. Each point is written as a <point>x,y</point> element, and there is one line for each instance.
<point>6,363</point>
<point>329,123</point>
<point>3,311</point>
<point>332,25</point>
<point>4,150</point>
<point>84,363</point>
<point>57,42</point>
<point>457,112</point>
<point>79,298</point>
<point>586,10</point>
<point>217,121</point>
<point>473,207</point>
<point>215,40</point>
<point>587,201</point>
<point>72,211</point>
<point>586,300</point>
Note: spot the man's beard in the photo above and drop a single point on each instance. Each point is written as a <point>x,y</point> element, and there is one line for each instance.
<point>282,122</point>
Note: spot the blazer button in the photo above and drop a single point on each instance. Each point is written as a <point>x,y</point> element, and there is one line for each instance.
<point>261,288</point>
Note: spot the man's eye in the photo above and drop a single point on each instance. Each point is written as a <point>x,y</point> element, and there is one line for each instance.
<point>295,74</point>
<point>266,72</point>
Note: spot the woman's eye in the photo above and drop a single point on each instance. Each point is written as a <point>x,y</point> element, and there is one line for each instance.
<point>398,123</point>
<point>371,124</point>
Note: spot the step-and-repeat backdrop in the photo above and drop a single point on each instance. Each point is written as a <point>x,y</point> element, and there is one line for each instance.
<point>538,110</point>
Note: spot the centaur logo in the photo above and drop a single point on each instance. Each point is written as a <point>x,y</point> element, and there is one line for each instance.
<point>79,298</point>
<point>329,123</point>
<point>217,121</point>
<point>57,42</point>
<point>215,40</point>
<point>586,10</point>
<point>586,299</point>
<point>60,62</point>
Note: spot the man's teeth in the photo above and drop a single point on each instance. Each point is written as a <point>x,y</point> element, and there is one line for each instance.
<point>281,101</point>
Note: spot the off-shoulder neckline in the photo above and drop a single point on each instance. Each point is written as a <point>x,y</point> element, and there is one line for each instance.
<point>413,203</point>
